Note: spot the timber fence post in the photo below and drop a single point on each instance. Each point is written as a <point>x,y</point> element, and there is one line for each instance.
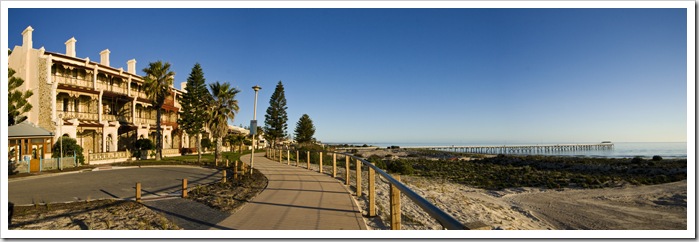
<point>347,170</point>
<point>358,178</point>
<point>138,192</point>
<point>308,160</point>
<point>320,163</point>
<point>372,192</point>
<point>395,205</point>
<point>334,165</point>
<point>184,188</point>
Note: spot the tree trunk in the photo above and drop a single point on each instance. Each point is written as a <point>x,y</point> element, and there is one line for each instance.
<point>159,135</point>
<point>199,148</point>
<point>219,147</point>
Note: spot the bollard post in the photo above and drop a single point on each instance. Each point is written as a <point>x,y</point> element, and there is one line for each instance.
<point>280,156</point>
<point>334,165</point>
<point>184,188</point>
<point>308,159</point>
<point>297,158</point>
<point>223,178</point>
<point>235,171</point>
<point>226,162</point>
<point>138,192</point>
<point>358,167</point>
<point>288,155</point>
<point>395,205</point>
<point>372,192</point>
<point>347,171</point>
<point>320,163</point>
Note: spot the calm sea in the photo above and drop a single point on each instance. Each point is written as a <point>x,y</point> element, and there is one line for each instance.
<point>621,149</point>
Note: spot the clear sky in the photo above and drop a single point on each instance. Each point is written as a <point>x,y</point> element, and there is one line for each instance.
<point>413,75</point>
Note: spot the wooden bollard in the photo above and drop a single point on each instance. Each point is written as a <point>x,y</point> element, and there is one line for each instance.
<point>280,156</point>
<point>359,177</point>
<point>235,171</point>
<point>347,170</point>
<point>372,192</point>
<point>138,192</point>
<point>297,158</point>
<point>308,160</point>
<point>320,163</point>
<point>223,178</point>
<point>334,165</point>
<point>288,157</point>
<point>184,188</point>
<point>395,205</point>
<point>226,162</point>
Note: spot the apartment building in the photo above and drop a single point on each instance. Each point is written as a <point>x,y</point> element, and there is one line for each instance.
<point>103,107</point>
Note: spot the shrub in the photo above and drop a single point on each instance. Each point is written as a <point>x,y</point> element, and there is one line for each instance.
<point>141,147</point>
<point>400,166</point>
<point>657,158</point>
<point>637,160</point>
<point>206,143</point>
<point>70,146</point>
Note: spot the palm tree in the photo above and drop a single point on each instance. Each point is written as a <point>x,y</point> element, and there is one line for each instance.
<point>224,106</point>
<point>158,80</point>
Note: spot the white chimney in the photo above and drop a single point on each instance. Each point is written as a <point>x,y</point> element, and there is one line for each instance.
<point>104,57</point>
<point>131,66</point>
<point>183,85</point>
<point>70,47</point>
<point>27,37</point>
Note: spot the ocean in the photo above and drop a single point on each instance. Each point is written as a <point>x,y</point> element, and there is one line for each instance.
<point>621,149</point>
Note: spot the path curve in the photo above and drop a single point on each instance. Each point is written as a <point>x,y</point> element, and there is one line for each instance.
<point>296,199</point>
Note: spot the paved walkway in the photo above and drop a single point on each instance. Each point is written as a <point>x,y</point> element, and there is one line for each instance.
<point>296,199</point>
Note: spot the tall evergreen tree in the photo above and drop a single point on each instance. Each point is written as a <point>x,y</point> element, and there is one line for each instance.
<point>17,104</point>
<point>304,130</point>
<point>195,102</point>
<point>275,119</point>
<point>158,80</point>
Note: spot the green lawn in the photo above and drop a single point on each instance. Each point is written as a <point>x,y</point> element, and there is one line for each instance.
<point>190,159</point>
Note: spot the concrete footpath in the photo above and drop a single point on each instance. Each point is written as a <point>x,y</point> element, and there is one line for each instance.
<point>296,199</point>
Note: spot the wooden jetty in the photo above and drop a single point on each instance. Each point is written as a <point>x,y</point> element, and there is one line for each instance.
<point>520,149</point>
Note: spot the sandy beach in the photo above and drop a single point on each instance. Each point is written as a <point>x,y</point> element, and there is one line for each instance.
<point>629,207</point>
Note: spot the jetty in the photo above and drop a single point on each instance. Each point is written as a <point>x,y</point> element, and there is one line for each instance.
<point>520,149</point>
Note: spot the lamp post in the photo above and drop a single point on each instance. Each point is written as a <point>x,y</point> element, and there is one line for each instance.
<point>253,129</point>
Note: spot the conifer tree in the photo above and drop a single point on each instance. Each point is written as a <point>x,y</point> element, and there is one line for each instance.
<point>276,118</point>
<point>195,102</point>
<point>17,100</point>
<point>304,130</point>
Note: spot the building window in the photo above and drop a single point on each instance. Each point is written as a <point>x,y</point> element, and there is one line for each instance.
<point>76,106</point>
<point>65,104</point>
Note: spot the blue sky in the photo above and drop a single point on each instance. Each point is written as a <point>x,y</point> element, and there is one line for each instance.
<point>414,75</point>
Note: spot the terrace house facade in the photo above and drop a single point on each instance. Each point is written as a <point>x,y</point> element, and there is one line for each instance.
<point>104,108</point>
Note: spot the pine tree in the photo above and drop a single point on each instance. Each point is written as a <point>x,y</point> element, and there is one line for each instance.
<point>17,104</point>
<point>304,130</point>
<point>275,119</point>
<point>195,102</point>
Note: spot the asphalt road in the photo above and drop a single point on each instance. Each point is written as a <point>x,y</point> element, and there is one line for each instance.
<point>116,183</point>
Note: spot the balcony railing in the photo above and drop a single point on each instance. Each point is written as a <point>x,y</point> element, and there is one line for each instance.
<point>145,121</point>
<point>73,81</point>
<point>112,88</point>
<point>79,115</point>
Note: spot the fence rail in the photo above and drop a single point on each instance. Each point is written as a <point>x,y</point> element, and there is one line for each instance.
<point>445,219</point>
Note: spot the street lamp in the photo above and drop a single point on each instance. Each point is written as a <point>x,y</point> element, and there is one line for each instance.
<point>253,129</point>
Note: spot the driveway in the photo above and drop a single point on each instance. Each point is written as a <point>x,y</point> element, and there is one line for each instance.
<point>116,183</point>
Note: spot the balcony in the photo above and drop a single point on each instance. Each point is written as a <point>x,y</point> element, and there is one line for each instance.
<point>73,81</point>
<point>145,121</point>
<point>78,115</point>
<point>112,88</point>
